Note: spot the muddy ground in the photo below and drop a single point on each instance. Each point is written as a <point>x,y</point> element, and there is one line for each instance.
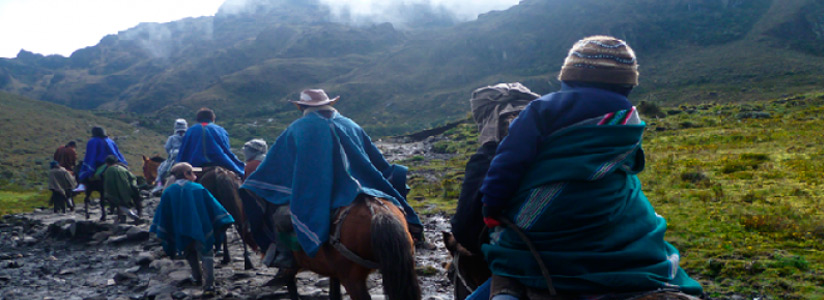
<point>44,255</point>
<point>63,256</point>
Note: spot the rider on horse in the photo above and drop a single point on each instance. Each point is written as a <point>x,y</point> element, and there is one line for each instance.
<point>562,199</point>
<point>322,162</point>
<point>254,151</point>
<point>206,144</point>
<point>493,108</point>
<point>172,148</point>
<point>97,149</point>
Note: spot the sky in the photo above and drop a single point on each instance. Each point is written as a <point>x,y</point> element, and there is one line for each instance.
<point>63,26</point>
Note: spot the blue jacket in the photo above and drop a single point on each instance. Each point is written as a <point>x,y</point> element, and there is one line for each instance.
<point>207,144</point>
<point>96,151</point>
<point>534,125</point>
<point>320,164</point>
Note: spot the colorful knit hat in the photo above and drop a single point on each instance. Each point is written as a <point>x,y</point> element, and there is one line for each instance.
<point>600,59</point>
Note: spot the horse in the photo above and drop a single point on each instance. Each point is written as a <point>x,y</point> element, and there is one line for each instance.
<point>467,271</point>
<point>150,166</point>
<point>371,233</point>
<point>93,185</point>
<point>223,185</point>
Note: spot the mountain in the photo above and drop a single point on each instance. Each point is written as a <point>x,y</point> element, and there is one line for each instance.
<point>30,131</point>
<point>247,60</point>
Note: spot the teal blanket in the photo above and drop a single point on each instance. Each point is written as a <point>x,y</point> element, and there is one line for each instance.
<point>188,213</point>
<point>582,206</point>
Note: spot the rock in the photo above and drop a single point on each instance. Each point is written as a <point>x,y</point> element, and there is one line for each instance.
<point>433,298</point>
<point>180,276</point>
<point>179,295</point>
<point>124,277</point>
<point>144,259</point>
<point>13,265</point>
<point>323,282</point>
<point>117,240</point>
<point>161,264</point>
<point>239,276</point>
<point>67,271</point>
<point>157,288</point>
<point>136,234</point>
<point>134,269</point>
<point>101,236</point>
<point>29,240</point>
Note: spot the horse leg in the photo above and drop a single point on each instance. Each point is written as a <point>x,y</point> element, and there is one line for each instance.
<point>334,289</point>
<point>247,262</point>
<point>86,205</point>
<point>226,258</point>
<point>292,289</point>
<point>103,208</point>
<point>356,288</point>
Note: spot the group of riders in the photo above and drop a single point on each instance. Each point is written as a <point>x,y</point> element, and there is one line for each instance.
<point>551,201</point>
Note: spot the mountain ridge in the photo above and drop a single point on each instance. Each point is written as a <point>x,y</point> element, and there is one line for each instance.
<point>399,80</point>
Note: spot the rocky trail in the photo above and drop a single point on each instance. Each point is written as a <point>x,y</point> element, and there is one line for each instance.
<point>64,256</point>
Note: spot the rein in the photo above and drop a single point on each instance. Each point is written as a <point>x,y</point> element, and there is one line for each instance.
<point>534,251</point>
<point>458,275</point>
<point>334,239</point>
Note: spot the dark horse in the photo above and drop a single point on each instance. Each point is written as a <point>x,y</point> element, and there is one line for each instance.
<point>375,232</point>
<point>93,185</point>
<point>224,184</point>
<point>467,271</point>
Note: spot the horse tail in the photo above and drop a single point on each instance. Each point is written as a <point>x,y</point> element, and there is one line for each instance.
<point>393,251</point>
<point>226,185</point>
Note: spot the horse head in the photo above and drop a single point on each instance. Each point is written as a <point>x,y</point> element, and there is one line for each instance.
<point>150,166</point>
<point>467,270</point>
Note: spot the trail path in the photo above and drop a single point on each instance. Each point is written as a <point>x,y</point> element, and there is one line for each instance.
<point>63,256</point>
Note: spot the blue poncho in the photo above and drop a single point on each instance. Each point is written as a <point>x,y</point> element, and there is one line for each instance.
<point>189,213</point>
<point>582,206</point>
<point>207,144</point>
<point>96,151</point>
<point>320,164</point>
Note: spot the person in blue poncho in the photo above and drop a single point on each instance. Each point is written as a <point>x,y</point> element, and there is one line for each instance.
<point>206,144</point>
<point>566,177</point>
<point>323,161</point>
<point>97,149</point>
<point>189,220</point>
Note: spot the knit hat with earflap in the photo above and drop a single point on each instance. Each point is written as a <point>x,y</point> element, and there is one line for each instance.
<point>602,59</point>
<point>181,125</point>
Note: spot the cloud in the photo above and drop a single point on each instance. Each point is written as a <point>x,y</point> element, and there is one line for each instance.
<point>387,10</point>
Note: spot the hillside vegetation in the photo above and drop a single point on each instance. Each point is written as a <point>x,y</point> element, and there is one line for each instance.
<point>31,130</point>
<point>739,184</point>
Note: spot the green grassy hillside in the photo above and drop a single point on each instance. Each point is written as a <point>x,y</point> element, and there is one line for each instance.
<point>31,130</point>
<point>739,184</point>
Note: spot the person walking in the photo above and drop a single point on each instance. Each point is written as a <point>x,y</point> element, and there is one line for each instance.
<point>61,183</point>
<point>188,220</point>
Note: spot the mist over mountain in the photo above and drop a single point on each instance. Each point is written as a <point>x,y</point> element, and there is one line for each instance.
<point>406,67</point>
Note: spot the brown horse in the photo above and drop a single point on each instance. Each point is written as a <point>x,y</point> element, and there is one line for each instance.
<point>150,166</point>
<point>372,234</point>
<point>223,185</point>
